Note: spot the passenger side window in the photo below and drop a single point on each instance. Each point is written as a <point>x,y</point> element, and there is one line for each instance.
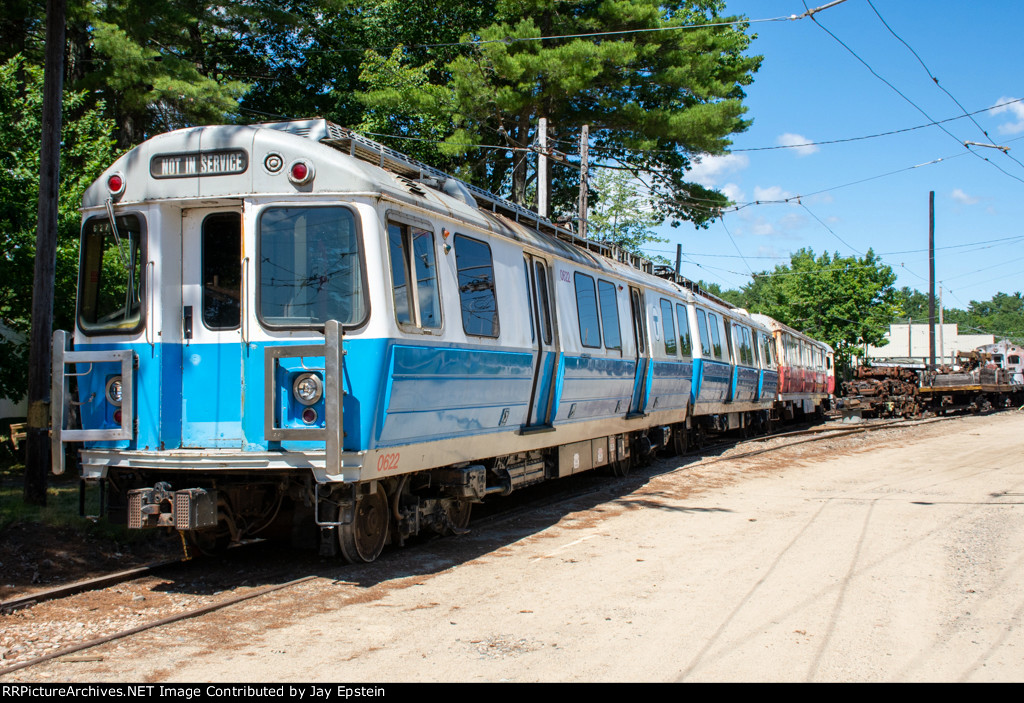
<point>767,351</point>
<point>746,350</point>
<point>609,314</point>
<point>414,276</point>
<point>476,287</point>
<point>685,345</point>
<point>586,306</point>
<point>670,330</point>
<point>705,338</point>
<point>716,336</point>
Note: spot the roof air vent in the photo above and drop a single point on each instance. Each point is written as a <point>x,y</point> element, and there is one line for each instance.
<point>459,191</point>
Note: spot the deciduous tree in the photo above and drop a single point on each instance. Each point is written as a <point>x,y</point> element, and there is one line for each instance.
<point>87,148</point>
<point>847,301</point>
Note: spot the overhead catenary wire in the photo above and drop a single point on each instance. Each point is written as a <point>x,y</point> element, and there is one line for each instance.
<point>341,47</point>
<point>911,102</point>
<point>936,80</point>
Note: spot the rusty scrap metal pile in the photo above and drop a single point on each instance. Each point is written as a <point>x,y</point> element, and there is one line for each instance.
<point>882,391</point>
<point>975,384</point>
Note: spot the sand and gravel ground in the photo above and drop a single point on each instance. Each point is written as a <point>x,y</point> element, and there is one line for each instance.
<point>893,556</point>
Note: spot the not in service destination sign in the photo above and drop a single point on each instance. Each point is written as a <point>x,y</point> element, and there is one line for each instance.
<point>220,162</point>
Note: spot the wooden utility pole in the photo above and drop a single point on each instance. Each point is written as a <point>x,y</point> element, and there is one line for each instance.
<point>542,167</point>
<point>931,278</point>
<point>37,461</point>
<point>584,144</point>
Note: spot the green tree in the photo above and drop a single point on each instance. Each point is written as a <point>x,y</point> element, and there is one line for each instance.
<point>913,304</point>
<point>161,64</point>
<point>653,99</point>
<point>1002,316</point>
<point>845,301</point>
<point>87,148</point>
<point>620,215</point>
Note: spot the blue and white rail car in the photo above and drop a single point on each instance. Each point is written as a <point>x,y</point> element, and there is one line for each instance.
<point>734,382</point>
<point>288,317</point>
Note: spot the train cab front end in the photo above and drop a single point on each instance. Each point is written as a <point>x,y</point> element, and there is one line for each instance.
<point>205,381</point>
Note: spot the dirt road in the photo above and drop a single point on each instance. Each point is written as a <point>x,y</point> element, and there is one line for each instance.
<point>896,556</point>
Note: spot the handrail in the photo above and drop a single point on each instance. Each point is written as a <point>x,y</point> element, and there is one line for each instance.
<point>60,401</point>
<point>150,312</point>
<point>244,322</point>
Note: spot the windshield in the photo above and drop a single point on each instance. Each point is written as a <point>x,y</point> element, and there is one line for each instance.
<point>309,270</point>
<point>109,287</point>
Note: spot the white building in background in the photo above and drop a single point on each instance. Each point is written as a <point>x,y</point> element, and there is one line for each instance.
<point>908,344</point>
<point>12,408</point>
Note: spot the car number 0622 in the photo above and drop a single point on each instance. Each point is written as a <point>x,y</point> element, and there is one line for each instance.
<point>387,462</point>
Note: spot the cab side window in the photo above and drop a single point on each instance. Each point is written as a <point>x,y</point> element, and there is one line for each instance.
<point>414,276</point>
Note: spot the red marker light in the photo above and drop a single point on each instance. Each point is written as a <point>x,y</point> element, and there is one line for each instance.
<point>117,416</point>
<point>300,172</point>
<point>115,184</point>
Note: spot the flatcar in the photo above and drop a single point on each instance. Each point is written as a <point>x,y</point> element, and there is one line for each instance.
<point>289,324</point>
<point>988,377</point>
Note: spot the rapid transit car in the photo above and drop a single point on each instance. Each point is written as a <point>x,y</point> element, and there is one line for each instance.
<point>289,324</point>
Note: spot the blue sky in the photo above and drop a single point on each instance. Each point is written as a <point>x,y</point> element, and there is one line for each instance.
<point>811,89</point>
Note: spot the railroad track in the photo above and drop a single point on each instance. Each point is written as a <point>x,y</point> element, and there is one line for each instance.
<point>803,436</point>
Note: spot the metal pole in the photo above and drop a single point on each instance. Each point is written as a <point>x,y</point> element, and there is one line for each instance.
<point>542,168</point>
<point>679,258</point>
<point>37,461</point>
<point>584,143</point>
<point>931,278</point>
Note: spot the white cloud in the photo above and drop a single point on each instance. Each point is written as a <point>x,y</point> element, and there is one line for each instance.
<point>963,198</point>
<point>762,228</point>
<point>796,140</point>
<point>733,192</point>
<point>772,252</point>
<point>771,193</point>
<point>710,170</point>
<point>1016,110</point>
<point>793,221</point>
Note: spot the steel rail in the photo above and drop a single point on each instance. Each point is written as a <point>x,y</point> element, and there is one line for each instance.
<point>156,623</point>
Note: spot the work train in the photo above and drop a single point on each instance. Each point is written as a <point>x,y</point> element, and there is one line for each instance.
<point>289,324</point>
<point>989,377</point>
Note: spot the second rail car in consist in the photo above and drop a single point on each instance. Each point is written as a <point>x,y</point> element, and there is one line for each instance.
<point>289,319</point>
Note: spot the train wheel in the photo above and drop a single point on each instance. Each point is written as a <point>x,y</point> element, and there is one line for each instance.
<point>620,468</point>
<point>210,542</point>
<point>679,439</point>
<point>363,539</point>
<point>457,513</point>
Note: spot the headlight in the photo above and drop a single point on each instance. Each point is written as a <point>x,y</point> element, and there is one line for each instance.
<point>307,388</point>
<point>114,390</point>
